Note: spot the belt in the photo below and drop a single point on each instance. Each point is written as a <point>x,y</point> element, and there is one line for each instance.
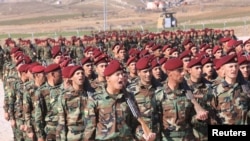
<point>175,134</point>
<point>53,123</point>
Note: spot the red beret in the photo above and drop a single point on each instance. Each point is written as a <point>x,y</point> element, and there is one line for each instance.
<point>155,63</point>
<point>86,60</point>
<point>38,69</point>
<point>112,67</point>
<point>144,53</point>
<point>150,44</point>
<point>217,66</point>
<point>73,70</point>
<point>239,42</point>
<point>17,54</point>
<point>33,65</point>
<point>51,68</point>
<point>247,42</point>
<point>115,45</point>
<point>14,50</point>
<point>162,60</point>
<point>143,63</point>
<point>130,60</point>
<point>206,60</point>
<point>97,53</point>
<point>121,48</point>
<point>173,63</point>
<point>225,59</point>
<point>231,43</point>
<point>216,48</point>
<point>232,49</point>
<point>23,68</point>
<point>186,41</point>
<point>186,53</point>
<point>166,47</point>
<point>242,60</point>
<point>88,49</point>
<point>225,39</point>
<point>65,62</point>
<point>101,59</point>
<point>56,50</point>
<point>194,62</point>
<point>173,50</point>
<point>65,71</point>
<point>155,47</point>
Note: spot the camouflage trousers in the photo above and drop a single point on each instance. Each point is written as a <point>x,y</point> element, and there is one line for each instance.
<point>50,131</point>
<point>200,132</point>
<point>75,133</point>
<point>119,139</point>
<point>178,136</point>
<point>18,134</point>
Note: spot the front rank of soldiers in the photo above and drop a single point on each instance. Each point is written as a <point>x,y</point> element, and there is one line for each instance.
<point>82,88</point>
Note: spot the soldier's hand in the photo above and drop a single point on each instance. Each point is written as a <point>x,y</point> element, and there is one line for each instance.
<point>13,123</point>
<point>41,139</point>
<point>30,135</point>
<point>202,115</point>
<point>6,116</point>
<point>149,137</point>
<point>25,128</point>
<point>22,127</point>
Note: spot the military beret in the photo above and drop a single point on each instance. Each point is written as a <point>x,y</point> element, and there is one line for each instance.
<point>186,42</point>
<point>130,60</point>
<point>37,69</point>
<point>231,43</point>
<point>239,42</point>
<point>150,44</point>
<point>112,67</point>
<point>73,70</point>
<point>31,65</point>
<point>121,48</point>
<point>86,60</point>
<point>194,62</point>
<point>162,60</point>
<point>65,62</point>
<point>18,54</point>
<point>23,68</point>
<point>56,50</point>
<point>51,68</point>
<point>143,63</point>
<point>155,63</point>
<point>186,53</point>
<point>65,71</point>
<point>206,60</point>
<point>246,42</point>
<point>166,47</point>
<point>232,49</point>
<point>173,63</point>
<point>242,60</point>
<point>134,53</point>
<point>97,53</point>
<point>101,59</point>
<point>144,53</point>
<point>173,50</point>
<point>14,50</point>
<point>155,47</point>
<point>113,47</point>
<point>225,39</point>
<point>207,47</point>
<point>88,49</point>
<point>216,48</point>
<point>225,60</point>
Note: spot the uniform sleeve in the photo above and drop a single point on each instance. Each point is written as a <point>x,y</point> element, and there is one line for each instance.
<point>26,109</point>
<point>38,116</point>
<point>90,117</point>
<point>12,100</point>
<point>61,128</point>
<point>6,98</point>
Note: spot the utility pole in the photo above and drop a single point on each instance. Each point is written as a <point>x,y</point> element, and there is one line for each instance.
<point>104,15</point>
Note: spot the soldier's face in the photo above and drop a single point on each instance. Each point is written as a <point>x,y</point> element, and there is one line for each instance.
<point>185,61</point>
<point>209,52</point>
<point>245,70</point>
<point>218,54</point>
<point>78,78</point>
<point>167,51</point>
<point>57,59</point>
<point>100,68</point>
<point>231,70</point>
<point>175,54</point>
<point>156,71</point>
<point>247,47</point>
<point>132,68</point>
<point>196,72</point>
<point>177,75</point>
<point>145,75</point>
<point>122,54</point>
<point>58,76</point>
<point>208,69</point>
<point>158,53</point>
<point>116,80</point>
<point>88,68</point>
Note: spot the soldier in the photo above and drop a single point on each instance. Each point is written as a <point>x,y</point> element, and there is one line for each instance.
<point>88,67</point>
<point>143,91</point>
<point>65,76</point>
<point>157,73</point>
<point>176,111</point>
<point>217,52</point>
<point>244,67</point>
<point>185,56</point>
<point>56,55</point>
<point>71,107</point>
<point>88,52</point>
<point>100,64</point>
<point>107,114</point>
<point>29,99</point>
<point>132,73</point>
<point>16,103</point>
<point>46,113</point>
<point>230,101</point>
<point>157,51</point>
<point>208,69</point>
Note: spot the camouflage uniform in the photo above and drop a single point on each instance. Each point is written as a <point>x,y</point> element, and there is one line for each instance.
<point>203,90</point>
<point>46,111</point>
<point>16,107</point>
<point>231,104</point>
<point>97,85</point>
<point>71,115</point>
<point>108,117</point>
<point>176,113</point>
<point>144,97</point>
<point>1,62</point>
<point>29,107</point>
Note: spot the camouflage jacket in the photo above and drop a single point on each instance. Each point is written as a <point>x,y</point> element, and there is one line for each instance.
<point>71,114</point>
<point>46,103</point>
<point>107,117</point>
<point>231,104</point>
